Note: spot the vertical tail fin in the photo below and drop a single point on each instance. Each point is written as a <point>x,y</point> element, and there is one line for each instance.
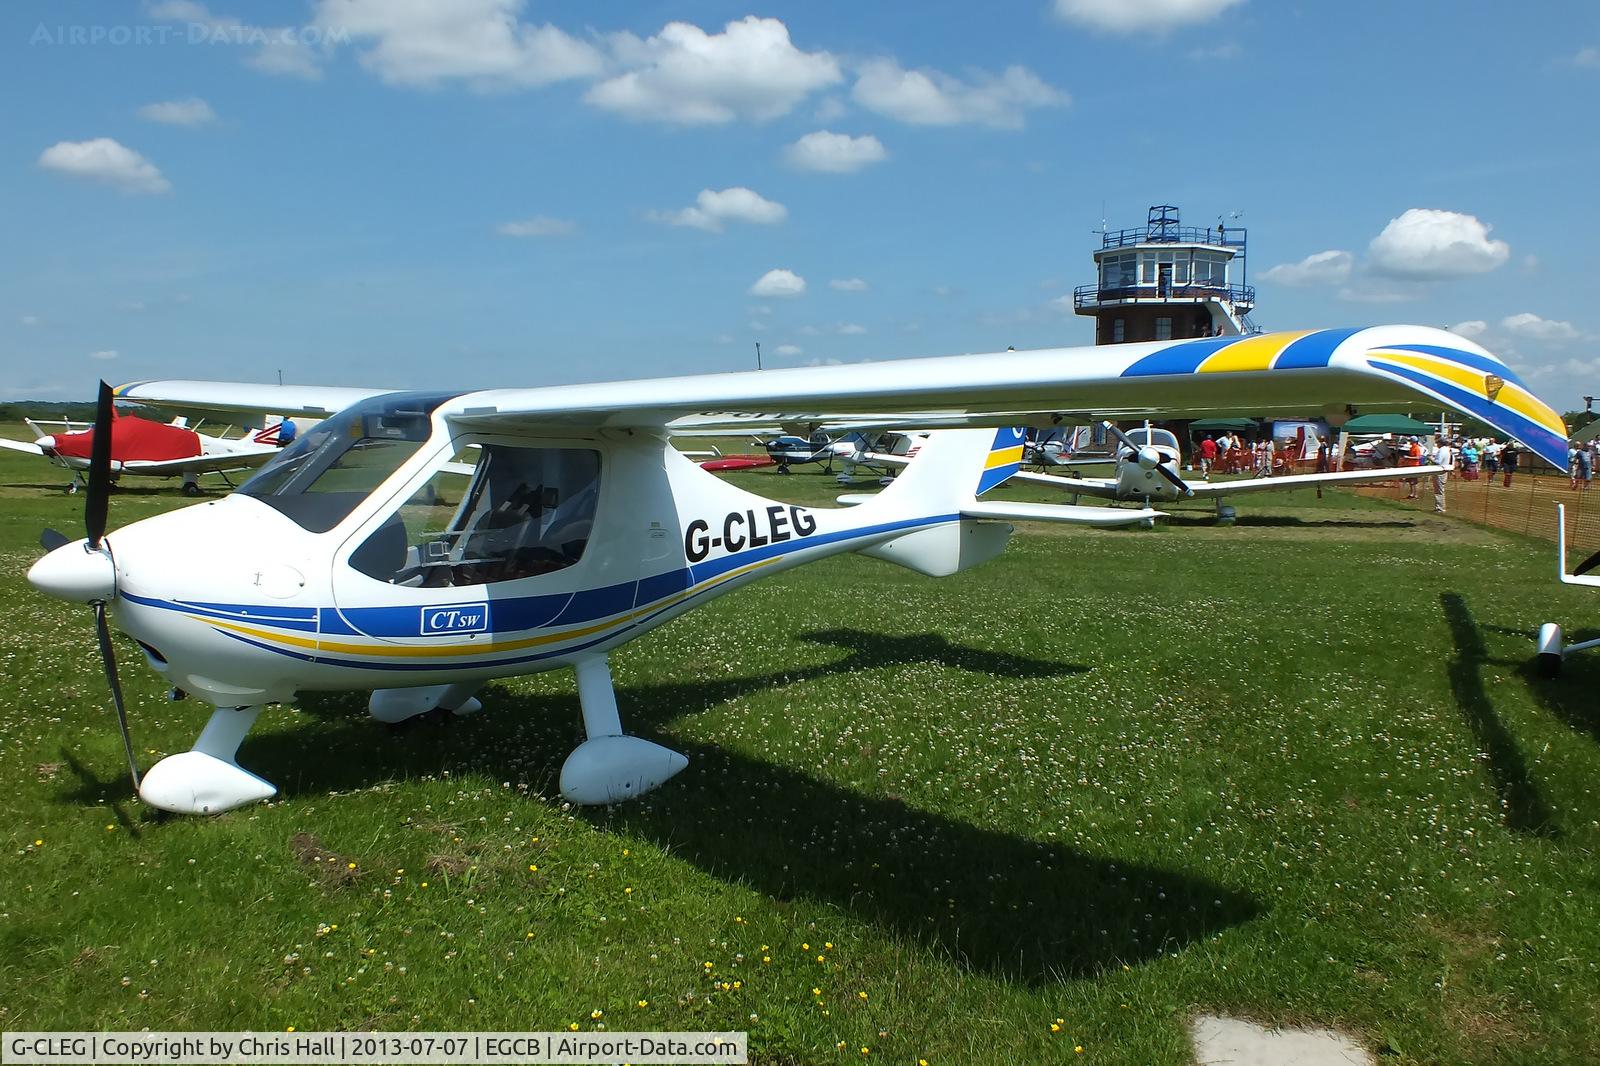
<point>953,467</point>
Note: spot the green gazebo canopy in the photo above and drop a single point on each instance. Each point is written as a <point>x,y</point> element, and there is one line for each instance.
<point>1387,424</point>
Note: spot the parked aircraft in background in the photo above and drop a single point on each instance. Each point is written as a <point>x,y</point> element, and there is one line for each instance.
<point>1148,462</point>
<point>149,449</point>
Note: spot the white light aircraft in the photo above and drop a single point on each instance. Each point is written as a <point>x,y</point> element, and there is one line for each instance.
<point>365,558</point>
<point>1148,461</point>
<point>149,449</point>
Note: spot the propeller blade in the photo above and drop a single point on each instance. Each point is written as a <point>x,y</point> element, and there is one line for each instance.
<point>1122,438</point>
<point>1177,482</point>
<point>108,659</point>
<point>1588,564</point>
<point>52,539</point>
<point>96,506</point>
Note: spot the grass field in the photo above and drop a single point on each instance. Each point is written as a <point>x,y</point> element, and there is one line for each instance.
<point>1298,770</point>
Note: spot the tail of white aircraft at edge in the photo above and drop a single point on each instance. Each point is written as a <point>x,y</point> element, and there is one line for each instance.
<point>950,472</point>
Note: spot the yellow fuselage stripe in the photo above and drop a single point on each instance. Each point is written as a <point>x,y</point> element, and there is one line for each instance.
<point>446,650</point>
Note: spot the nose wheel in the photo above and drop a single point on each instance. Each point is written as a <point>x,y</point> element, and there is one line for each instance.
<point>206,779</point>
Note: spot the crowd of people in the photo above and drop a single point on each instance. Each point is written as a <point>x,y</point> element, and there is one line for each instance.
<point>1472,458</point>
<point>1230,453</point>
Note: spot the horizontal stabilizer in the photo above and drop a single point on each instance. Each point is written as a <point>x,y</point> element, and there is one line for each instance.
<point>1058,512</point>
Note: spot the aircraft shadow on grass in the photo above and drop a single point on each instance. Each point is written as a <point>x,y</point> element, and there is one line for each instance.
<point>1526,810</point>
<point>1207,518</point>
<point>986,899</point>
<point>1569,696</point>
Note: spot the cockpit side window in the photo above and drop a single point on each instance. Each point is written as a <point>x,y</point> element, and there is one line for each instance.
<point>320,478</point>
<point>514,513</point>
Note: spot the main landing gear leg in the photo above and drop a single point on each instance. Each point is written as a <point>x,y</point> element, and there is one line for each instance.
<point>1225,513</point>
<point>394,705</point>
<point>608,766</point>
<point>206,780</point>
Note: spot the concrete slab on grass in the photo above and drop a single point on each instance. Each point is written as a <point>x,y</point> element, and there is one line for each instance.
<point>1233,1042</point>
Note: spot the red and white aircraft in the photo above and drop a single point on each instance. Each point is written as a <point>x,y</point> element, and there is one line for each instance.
<point>154,449</point>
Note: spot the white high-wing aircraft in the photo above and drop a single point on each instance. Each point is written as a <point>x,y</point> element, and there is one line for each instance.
<point>1148,461</point>
<point>360,559</point>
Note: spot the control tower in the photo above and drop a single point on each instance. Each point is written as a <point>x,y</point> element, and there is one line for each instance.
<point>1166,281</point>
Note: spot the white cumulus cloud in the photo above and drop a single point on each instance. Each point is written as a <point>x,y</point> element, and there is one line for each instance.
<point>788,349</point>
<point>482,43</point>
<point>295,51</point>
<point>1533,327</point>
<point>192,111</point>
<point>848,285</point>
<point>1426,244</point>
<point>538,226</point>
<point>835,153</point>
<point>751,70</point>
<point>1471,329</point>
<point>105,160</point>
<point>929,97</point>
<point>712,209</point>
<point>779,282</point>
<point>1137,16</point>
<point>1320,268</point>
<point>104,355</point>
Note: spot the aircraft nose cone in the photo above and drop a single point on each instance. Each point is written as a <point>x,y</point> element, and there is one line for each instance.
<point>76,574</point>
<point>1149,458</point>
<point>47,443</point>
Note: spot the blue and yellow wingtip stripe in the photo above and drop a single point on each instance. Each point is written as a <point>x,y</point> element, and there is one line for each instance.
<point>1545,441</point>
<point>1477,374</point>
<point>1003,460</point>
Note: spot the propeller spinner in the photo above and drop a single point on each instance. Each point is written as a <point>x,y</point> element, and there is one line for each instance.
<point>1149,458</point>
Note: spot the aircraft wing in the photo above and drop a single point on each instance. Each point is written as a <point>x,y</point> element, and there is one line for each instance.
<point>213,399</point>
<point>198,464</point>
<point>21,446</point>
<point>1205,490</point>
<point>1384,368</point>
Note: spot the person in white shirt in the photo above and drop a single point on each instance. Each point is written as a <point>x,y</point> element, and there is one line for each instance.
<point>1444,456</point>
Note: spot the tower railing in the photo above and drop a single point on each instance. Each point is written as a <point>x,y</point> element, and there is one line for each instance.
<point>1092,295</point>
<point>1122,238</point>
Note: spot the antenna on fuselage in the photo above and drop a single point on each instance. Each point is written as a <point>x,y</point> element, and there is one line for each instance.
<point>758,355</point>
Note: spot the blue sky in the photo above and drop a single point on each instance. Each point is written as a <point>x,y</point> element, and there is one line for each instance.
<point>490,192</point>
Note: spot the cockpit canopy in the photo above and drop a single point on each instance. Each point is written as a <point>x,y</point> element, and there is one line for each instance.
<point>320,478</point>
<point>1153,438</point>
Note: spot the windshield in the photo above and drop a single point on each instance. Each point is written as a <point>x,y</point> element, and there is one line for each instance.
<point>1153,438</point>
<point>319,479</point>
